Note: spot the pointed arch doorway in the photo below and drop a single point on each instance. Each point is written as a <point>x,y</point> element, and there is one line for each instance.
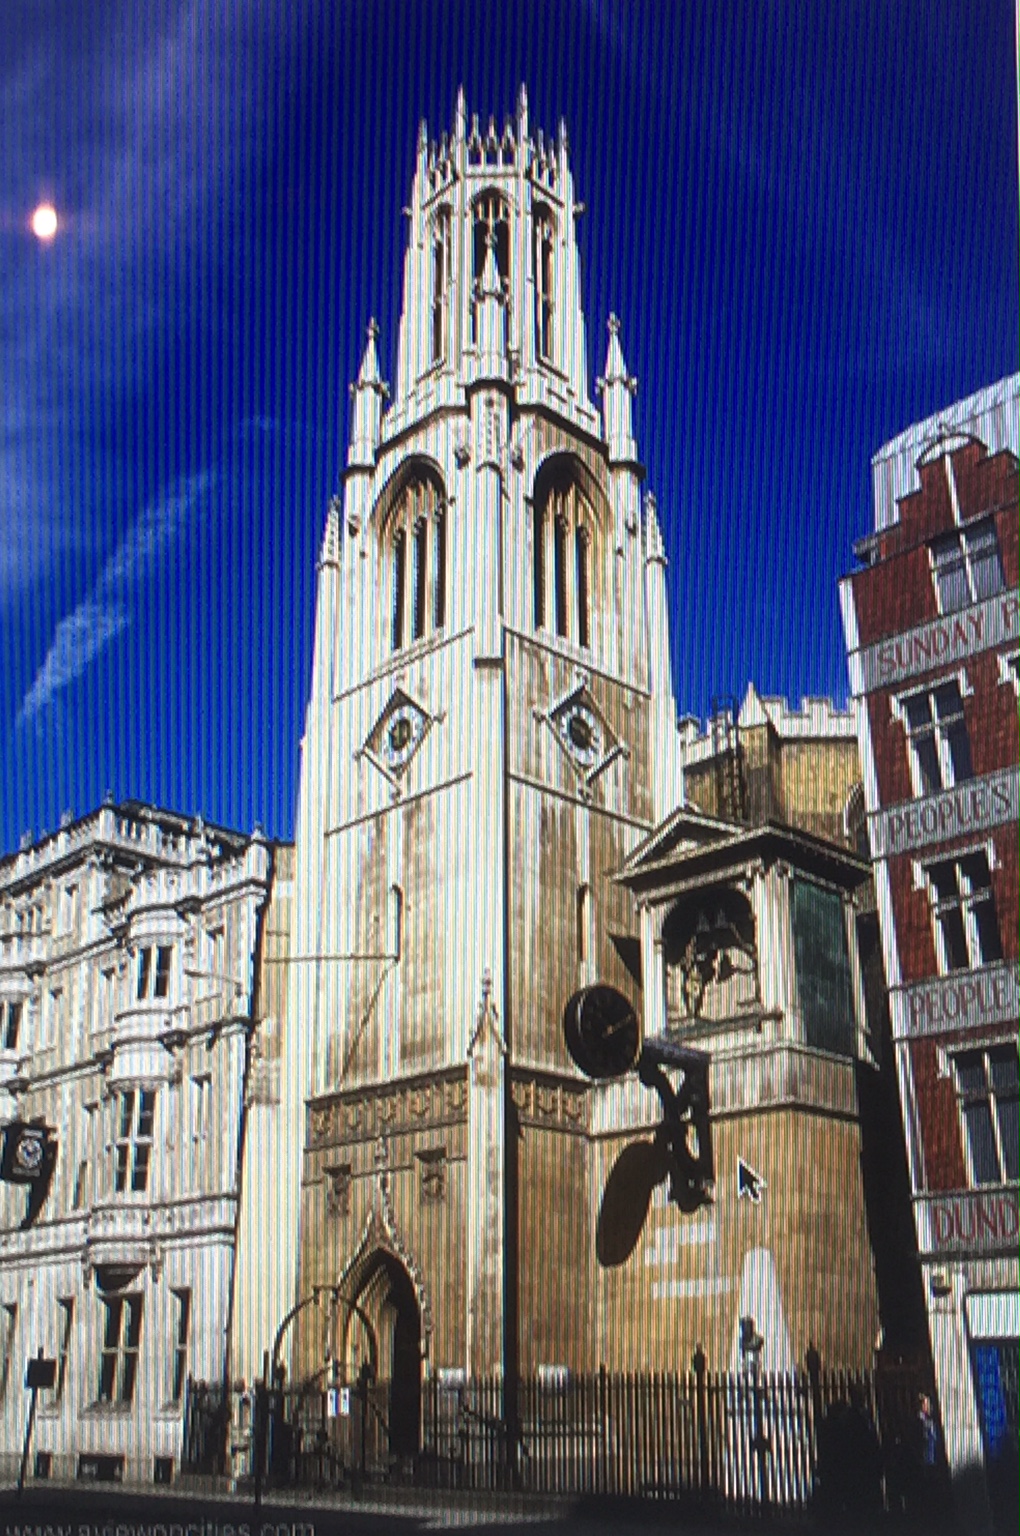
<point>384,1298</point>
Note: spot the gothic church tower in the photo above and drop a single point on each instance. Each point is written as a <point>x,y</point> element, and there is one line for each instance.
<point>491,729</point>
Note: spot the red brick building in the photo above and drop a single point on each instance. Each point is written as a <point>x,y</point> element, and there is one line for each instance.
<point>932,618</point>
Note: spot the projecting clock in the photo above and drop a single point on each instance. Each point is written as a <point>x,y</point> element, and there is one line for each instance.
<point>602,1032</point>
<point>582,734</point>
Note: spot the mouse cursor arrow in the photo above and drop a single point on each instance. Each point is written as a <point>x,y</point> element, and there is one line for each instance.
<point>749,1183</point>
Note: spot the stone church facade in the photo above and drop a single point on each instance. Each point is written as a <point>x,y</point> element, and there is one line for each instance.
<point>491,727</point>
<point>491,735</point>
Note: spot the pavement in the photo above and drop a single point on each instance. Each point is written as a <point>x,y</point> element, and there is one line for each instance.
<point>74,1510</point>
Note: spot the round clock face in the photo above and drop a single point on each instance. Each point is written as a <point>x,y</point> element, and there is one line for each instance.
<point>602,1032</point>
<point>403,731</point>
<point>582,733</point>
<point>29,1154</point>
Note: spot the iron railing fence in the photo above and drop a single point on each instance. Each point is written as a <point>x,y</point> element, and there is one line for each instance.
<point>750,1441</point>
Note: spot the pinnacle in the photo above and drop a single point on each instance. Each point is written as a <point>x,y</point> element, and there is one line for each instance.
<point>368,373</point>
<point>616,368</point>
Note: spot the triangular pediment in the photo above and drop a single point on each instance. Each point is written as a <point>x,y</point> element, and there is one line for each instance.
<point>684,830</point>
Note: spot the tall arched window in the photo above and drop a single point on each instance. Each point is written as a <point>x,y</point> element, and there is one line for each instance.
<point>417,536</point>
<point>562,526</point>
<point>491,217</point>
<point>542,275</point>
<point>440,284</point>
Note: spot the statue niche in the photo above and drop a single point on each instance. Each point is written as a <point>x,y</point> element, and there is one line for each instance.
<point>711,958</point>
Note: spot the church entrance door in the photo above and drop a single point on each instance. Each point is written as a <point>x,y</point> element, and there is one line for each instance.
<point>387,1298</point>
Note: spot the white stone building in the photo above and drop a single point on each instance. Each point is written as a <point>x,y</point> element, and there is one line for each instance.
<point>128,963</point>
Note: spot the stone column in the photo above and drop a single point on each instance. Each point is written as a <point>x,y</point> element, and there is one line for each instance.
<point>653,970</point>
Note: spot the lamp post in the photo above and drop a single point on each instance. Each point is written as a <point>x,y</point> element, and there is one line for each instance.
<point>268,1394</point>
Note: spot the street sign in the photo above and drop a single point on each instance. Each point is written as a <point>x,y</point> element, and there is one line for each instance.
<point>41,1374</point>
<point>24,1155</point>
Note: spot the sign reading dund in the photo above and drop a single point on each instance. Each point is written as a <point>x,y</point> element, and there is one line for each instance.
<point>980,1221</point>
<point>964,1000</point>
<point>930,646</point>
<point>975,806</point>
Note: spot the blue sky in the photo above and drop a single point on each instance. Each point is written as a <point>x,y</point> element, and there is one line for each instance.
<point>805,215</point>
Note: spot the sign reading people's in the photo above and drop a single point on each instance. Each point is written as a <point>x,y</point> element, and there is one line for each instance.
<point>976,806</point>
<point>962,1000</point>
<point>930,646</point>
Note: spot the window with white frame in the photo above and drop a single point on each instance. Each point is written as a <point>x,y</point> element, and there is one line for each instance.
<point>1009,669</point>
<point>11,1010</point>
<point>52,1017</point>
<point>133,1144</point>
<point>153,979</point>
<point>966,565</point>
<point>9,1326</point>
<point>201,1099</point>
<point>118,1360</point>
<point>81,1192</point>
<point>65,1316</point>
<point>986,1083</point>
<point>182,1326</point>
<point>417,535</point>
<point>963,910</point>
<point>937,738</point>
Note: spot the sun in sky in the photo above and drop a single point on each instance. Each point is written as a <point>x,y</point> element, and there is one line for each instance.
<point>44,222</point>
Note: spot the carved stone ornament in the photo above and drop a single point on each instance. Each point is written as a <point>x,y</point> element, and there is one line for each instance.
<point>551,1104</point>
<point>389,1109</point>
<point>432,1166</point>
<point>397,735</point>
<point>339,1179</point>
<point>582,734</point>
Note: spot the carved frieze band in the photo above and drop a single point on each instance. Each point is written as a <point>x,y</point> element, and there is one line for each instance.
<point>545,1102</point>
<point>388,1109</point>
<point>442,1100</point>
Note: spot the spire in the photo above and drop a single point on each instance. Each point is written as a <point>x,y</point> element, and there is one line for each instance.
<point>368,392</point>
<point>522,114</point>
<point>617,388</point>
<point>491,306</point>
<point>460,116</point>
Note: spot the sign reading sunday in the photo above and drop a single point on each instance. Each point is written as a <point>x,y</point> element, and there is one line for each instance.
<point>996,621</point>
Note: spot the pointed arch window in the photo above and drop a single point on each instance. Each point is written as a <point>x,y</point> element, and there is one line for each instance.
<point>542,275</point>
<point>441,244</point>
<point>418,561</point>
<point>562,553</point>
<point>491,217</point>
